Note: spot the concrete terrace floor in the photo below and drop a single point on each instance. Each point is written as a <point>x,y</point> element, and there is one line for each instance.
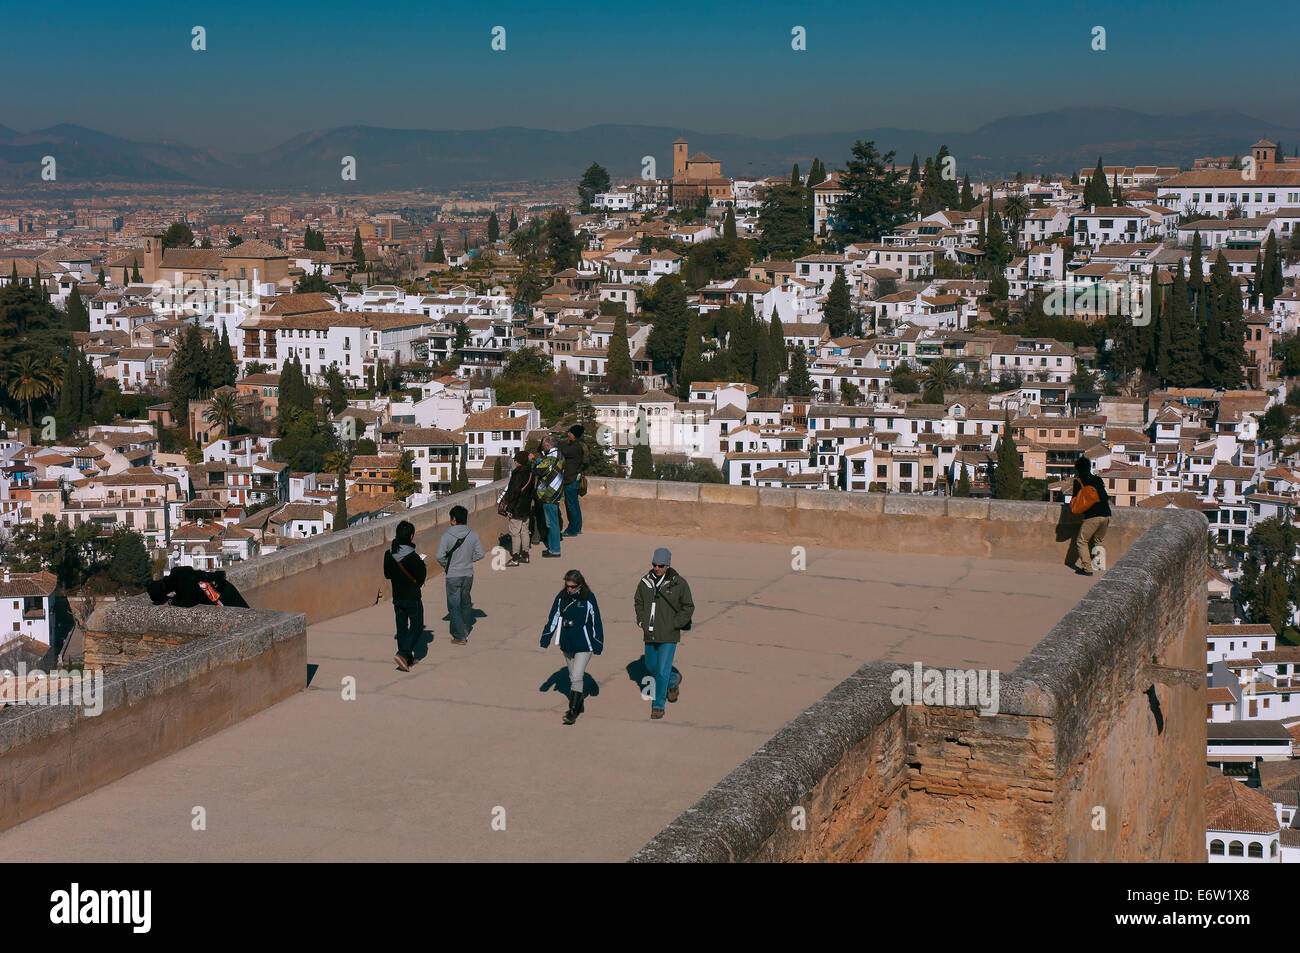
<point>415,766</point>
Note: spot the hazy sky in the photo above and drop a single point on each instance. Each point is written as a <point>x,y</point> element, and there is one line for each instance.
<point>272,70</point>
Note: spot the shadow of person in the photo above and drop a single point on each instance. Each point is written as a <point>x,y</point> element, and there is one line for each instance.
<point>560,682</point>
<point>422,645</point>
<point>638,672</point>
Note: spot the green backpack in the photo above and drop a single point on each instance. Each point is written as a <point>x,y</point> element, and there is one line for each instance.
<point>550,479</point>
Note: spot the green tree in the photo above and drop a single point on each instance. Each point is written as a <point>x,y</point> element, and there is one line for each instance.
<point>135,273</point>
<point>798,384</point>
<point>338,393</point>
<point>642,462</point>
<point>1182,362</point>
<point>593,181</point>
<point>493,227</point>
<point>967,196</point>
<point>618,368</point>
<point>439,253</point>
<point>914,175</point>
<point>729,225</point>
<point>130,566</point>
<point>940,376</point>
<point>563,246</point>
<point>666,305</point>
<point>963,482</point>
<point>29,381</point>
<point>358,250</point>
<point>404,482</point>
<point>178,235</point>
<point>691,367</point>
<point>1268,276</point>
<point>838,310</point>
<point>224,411</point>
<point>1008,476</point>
<point>514,222</point>
<point>876,197</point>
<point>78,316</point>
<point>783,226</point>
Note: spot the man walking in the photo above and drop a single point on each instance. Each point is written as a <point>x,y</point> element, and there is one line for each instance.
<point>663,611</point>
<point>1096,517</point>
<point>574,453</point>
<point>457,552</point>
<point>407,571</point>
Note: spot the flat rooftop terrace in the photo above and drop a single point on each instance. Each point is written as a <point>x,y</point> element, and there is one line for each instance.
<point>415,766</point>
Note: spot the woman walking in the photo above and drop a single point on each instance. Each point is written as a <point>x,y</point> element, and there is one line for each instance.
<point>575,618</point>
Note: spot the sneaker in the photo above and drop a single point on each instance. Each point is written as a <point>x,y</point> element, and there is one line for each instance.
<point>513,562</point>
<point>547,554</point>
<point>674,689</point>
<point>460,641</point>
<point>400,659</point>
<point>656,713</point>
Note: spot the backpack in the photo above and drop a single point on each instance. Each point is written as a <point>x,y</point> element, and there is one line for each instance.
<point>1084,500</point>
<point>550,479</point>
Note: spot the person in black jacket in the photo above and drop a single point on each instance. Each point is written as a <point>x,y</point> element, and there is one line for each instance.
<point>519,503</point>
<point>1096,518</point>
<point>403,565</point>
<point>185,586</point>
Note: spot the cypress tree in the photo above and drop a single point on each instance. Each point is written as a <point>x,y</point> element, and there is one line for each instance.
<point>126,279</point>
<point>1196,269</point>
<point>341,503</point>
<point>799,384</point>
<point>135,272</point>
<point>618,367</point>
<point>1254,285</point>
<point>102,280</point>
<point>794,175</point>
<point>766,366</point>
<point>439,253</point>
<point>1210,321</point>
<point>358,250</point>
<point>1008,477</point>
<point>514,222</point>
<point>692,366</point>
<point>838,310</point>
<point>1116,194</point>
<point>493,227</point>
<point>643,467</point>
<point>1182,358</point>
<point>381,379</point>
<point>776,347</point>
<point>129,566</point>
<point>13,274</point>
<point>914,174</point>
<point>967,196</point>
<point>87,385</point>
<point>963,482</point>
<point>729,225</point>
<point>1268,273</point>
<point>1231,320</point>
<point>78,317</point>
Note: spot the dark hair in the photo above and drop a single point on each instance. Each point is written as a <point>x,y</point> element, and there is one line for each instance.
<point>521,457</point>
<point>577,430</point>
<point>1083,466</point>
<point>405,531</point>
<point>584,591</point>
<point>459,515</point>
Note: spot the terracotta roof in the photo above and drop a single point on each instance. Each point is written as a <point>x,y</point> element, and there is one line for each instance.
<point>1231,806</point>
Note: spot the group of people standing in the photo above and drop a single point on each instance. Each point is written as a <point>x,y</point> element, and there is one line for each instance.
<point>531,500</point>
<point>531,504</point>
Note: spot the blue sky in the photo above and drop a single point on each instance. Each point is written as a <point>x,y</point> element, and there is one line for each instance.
<point>272,70</point>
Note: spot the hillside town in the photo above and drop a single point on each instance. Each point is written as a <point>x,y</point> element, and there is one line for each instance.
<point>191,389</point>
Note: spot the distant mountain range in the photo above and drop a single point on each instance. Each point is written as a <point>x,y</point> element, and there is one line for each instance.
<point>1057,141</point>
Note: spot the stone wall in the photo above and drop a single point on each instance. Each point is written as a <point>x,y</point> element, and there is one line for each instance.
<point>893,522</point>
<point>1074,766</point>
<point>248,660</point>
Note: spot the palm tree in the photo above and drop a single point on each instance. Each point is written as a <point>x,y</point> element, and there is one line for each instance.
<point>29,382</point>
<point>1015,208</point>
<point>338,461</point>
<point>940,376</point>
<point>224,410</point>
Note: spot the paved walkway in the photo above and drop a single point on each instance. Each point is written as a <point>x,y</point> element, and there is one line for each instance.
<point>416,766</point>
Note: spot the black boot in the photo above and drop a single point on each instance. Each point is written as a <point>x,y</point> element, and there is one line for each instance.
<point>572,714</point>
<point>582,702</point>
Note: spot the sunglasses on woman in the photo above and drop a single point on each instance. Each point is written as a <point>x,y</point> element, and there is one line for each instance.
<point>572,585</point>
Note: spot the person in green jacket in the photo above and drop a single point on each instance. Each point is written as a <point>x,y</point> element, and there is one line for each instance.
<point>663,611</point>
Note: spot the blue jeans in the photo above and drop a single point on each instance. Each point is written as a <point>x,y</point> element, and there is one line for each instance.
<point>552,511</point>
<point>573,508</point>
<point>659,660</point>
<point>460,609</point>
<point>410,624</point>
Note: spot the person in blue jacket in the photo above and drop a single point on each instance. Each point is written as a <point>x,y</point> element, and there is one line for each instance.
<point>575,618</point>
